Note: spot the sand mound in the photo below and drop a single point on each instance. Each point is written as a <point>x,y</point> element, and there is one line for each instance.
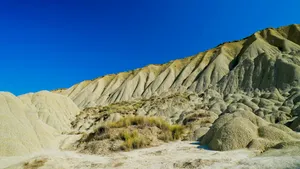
<point>24,128</point>
<point>53,109</point>
<point>244,129</point>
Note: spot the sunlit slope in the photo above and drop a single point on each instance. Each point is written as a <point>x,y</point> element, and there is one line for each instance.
<point>31,122</point>
<point>268,58</point>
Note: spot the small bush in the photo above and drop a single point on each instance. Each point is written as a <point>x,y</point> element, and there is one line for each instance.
<point>125,135</point>
<point>133,140</point>
<point>174,132</point>
<point>177,131</point>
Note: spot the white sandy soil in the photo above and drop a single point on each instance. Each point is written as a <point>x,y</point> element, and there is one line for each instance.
<point>171,155</point>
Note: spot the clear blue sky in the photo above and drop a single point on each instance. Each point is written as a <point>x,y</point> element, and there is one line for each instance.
<point>51,44</point>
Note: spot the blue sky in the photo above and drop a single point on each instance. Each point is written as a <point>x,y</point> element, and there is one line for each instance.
<point>46,45</point>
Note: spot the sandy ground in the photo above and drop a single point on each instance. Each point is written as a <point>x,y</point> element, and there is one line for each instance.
<point>170,155</point>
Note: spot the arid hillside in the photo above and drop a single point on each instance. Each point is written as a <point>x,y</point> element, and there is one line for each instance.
<point>266,60</point>
<point>242,96</point>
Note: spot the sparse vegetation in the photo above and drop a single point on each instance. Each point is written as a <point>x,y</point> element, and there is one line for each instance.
<point>37,163</point>
<point>119,107</point>
<point>133,132</point>
<point>133,140</point>
<point>174,132</point>
<point>169,132</point>
<point>126,108</point>
<point>197,116</point>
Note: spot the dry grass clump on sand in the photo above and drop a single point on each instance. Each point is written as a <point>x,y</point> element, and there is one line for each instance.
<point>169,132</point>
<point>133,140</point>
<point>131,132</point>
<point>37,163</point>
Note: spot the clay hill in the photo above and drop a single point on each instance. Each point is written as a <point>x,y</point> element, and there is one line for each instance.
<point>240,95</point>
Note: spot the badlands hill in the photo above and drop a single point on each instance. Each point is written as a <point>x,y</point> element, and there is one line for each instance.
<point>259,74</point>
<point>241,94</point>
<point>32,122</point>
<point>265,60</point>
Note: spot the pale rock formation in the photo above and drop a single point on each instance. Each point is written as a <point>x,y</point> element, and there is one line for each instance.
<point>31,122</point>
<point>244,129</point>
<point>267,59</point>
<point>55,110</point>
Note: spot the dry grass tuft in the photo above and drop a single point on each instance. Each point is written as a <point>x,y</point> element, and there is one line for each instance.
<point>133,140</point>
<point>37,163</point>
<point>169,132</point>
<point>133,132</point>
